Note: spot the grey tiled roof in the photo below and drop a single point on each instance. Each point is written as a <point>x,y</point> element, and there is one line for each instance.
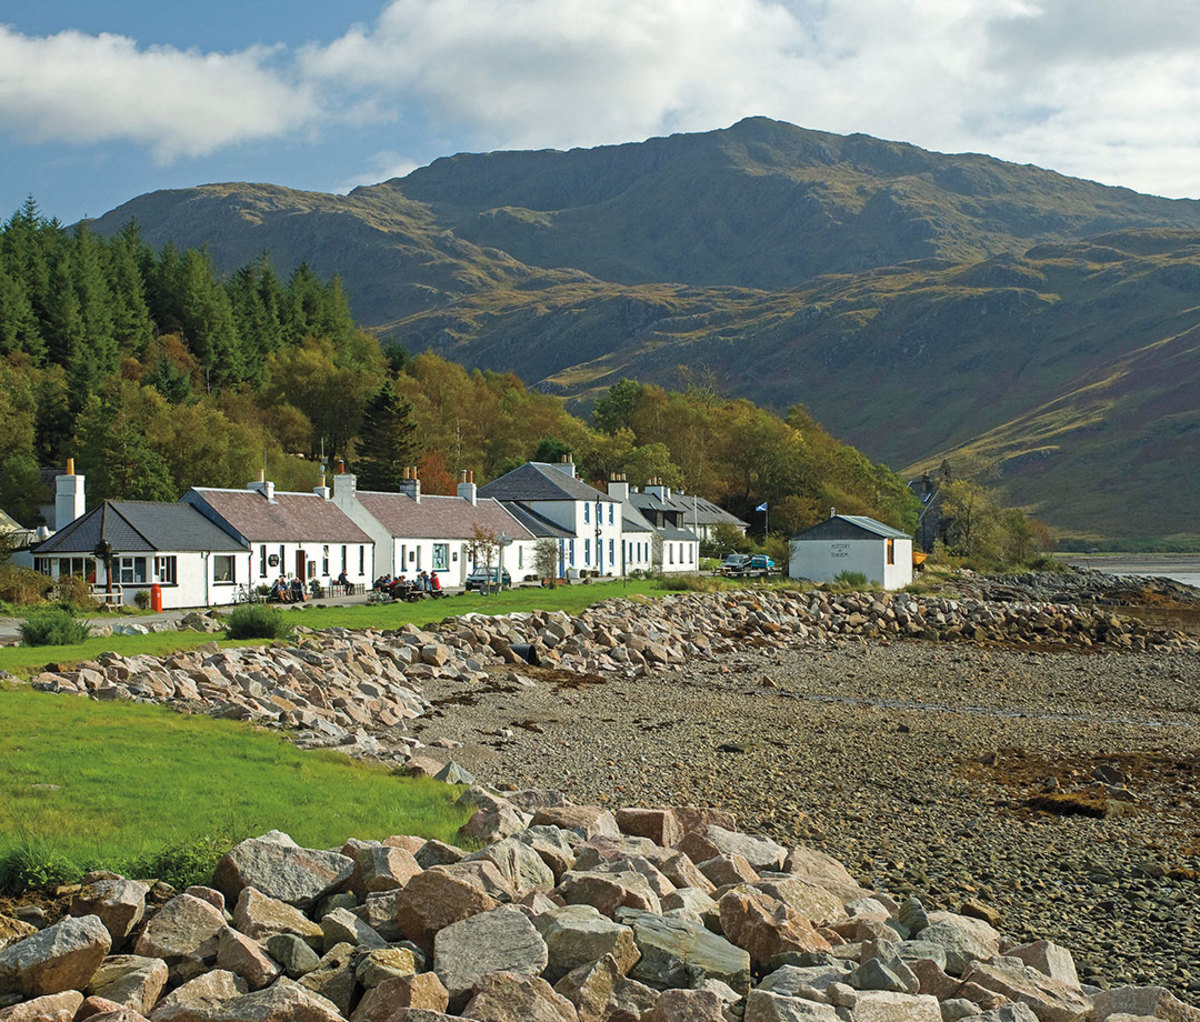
<point>438,517</point>
<point>288,518</point>
<point>842,525</point>
<point>703,512</point>
<point>135,526</point>
<point>540,480</point>
<point>538,525</point>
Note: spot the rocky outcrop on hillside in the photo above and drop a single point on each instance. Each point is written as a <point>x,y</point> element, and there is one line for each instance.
<point>567,913</point>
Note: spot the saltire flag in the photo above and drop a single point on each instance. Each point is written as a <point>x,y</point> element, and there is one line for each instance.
<point>762,506</point>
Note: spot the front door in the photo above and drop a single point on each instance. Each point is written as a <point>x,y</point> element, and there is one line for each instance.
<point>300,566</point>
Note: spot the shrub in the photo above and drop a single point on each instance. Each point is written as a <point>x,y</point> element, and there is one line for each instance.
<point>23,585</point>
<point>255,621</point>
<point>182,865</point>
<point>851,579</point>
<point>689,582</point>
<point>142,598</point>
<point>34,866</point>
<point>53,628</point>
<point>74,593</point>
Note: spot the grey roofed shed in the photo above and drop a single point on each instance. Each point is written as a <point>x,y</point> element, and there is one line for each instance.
<point>850,527</point>
<point>134,526</point>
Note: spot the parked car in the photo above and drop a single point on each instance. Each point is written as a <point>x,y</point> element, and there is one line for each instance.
<point>759,564</point>
<point>482,576</point>
<point>734,564</point>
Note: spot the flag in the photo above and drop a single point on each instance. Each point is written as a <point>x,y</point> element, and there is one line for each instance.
<point>762,506</point>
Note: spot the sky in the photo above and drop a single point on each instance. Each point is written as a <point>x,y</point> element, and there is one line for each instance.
<point>103,100</point>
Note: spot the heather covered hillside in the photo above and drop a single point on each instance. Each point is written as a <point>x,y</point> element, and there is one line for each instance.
<point>1030,326</point>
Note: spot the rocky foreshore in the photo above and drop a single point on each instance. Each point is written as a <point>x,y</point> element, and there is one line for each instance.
<point>567,913</point>
<point>915,762</point>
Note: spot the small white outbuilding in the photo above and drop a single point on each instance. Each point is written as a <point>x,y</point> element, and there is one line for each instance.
<point>852,543</point>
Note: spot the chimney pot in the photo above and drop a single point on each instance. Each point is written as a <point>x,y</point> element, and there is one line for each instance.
<point>341,467</point>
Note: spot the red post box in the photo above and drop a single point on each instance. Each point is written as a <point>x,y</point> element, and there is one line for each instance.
<point>156,598</point>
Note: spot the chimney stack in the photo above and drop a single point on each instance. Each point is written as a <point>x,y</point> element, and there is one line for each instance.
<point>68,497</point>
<point>466,487</point>
<point>263,486</point>
<point>410,485</point>
<point>567,464</point>
<point>833,512</point>
<point>618,487</point>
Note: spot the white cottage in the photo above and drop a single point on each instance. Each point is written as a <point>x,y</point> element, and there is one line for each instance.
<point>146,543</point>
<point>589,521</point>
<point>301,535</point>
<point>416,532</point>
<point>852,543</point>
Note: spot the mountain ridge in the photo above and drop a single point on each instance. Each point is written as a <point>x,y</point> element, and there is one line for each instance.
<point>917,302</point>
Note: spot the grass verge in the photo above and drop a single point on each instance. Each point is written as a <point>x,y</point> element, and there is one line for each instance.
<point>143,790</point>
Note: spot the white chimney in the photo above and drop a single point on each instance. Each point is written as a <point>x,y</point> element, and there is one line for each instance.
<point>263,486</point>
<point>659,490</point>
<point>566,464</point>
<point>324,492</point>
<point>345,487</point>
<point>467,488</point>
<point>833,512</point>
<point>618,487</point>
<point>68,497</point>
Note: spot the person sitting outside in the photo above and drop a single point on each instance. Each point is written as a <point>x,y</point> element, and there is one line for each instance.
<point>435,584</point>
<point>297,589</point>
<point>343,581</point>
<point>279,592</point>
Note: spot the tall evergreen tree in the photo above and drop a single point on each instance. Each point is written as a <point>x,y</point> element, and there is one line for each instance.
<point>387,441</point>
<point>133,327</point>
<point>207,320</point>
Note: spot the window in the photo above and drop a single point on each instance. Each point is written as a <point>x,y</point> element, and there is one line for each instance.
<point>131,571</point>
<point>262,561</point>
<point>891,551</point>
<point>441,556</point>
<point>610,513</point>
<point>571,552</point>
<point>670,553</point>
<point>362,560</point>
<point>612,551</point>
<point>85,567</point>
<point>587,510</point>
<point>223,571</point>
<point>587,551</point>
<point>41,565</point>
<point>325,559</point>
<point>344,565</point>
<point>520,557</point>
<point>165,571</point>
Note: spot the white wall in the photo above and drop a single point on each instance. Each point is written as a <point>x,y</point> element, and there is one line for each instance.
<point>822,560</point>
<point>314,554</point>
<point>570,515</point>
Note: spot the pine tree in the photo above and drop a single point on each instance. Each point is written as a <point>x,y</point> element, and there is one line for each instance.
<point>127,258</point>
<point>387,441</point>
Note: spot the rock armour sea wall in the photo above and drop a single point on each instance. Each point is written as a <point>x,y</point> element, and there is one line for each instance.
<point>567,913</point>
<point>346,689</point>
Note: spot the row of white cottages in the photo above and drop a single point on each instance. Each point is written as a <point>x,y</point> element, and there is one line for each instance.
<point>213,543</point>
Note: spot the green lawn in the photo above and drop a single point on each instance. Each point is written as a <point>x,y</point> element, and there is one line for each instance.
<point>87,784</point>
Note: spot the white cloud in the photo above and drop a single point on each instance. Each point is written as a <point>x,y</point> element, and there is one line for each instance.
<point>81,88</point>
<point>1097,88</point>
<point>1069,84</point>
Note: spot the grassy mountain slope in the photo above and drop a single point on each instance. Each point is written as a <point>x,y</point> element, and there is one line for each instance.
<point>918,303</point>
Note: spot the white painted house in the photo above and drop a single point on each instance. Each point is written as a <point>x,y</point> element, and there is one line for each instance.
<point>301,535</point>
<point>676,548</point>
<point>852,543</point>
<point>589,520</point>
<point>416,532</point>
<point>146,543</point>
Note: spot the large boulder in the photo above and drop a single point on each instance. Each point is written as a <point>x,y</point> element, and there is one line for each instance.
<point>965,940</point>
<point>1156,1002</point>
<point>433,900</point>
<point>521,865</point>
<point>502,940</point>
<point>422,990</point>
<point>1052,1000</point>
<point>678,953</point>
<point>516,997</point>
<point>61,957</point>
<point>119,903</point>
<point>131,981</point>
<point>281,869</point>
<point>766,927</point>
<point>686,1006</point>
<point>761,852</point>
<point>60,1007</point>
<point>261,918</point>
<point>184,926</point>
<point>578,935</point>
<point>824,871</point>
<point>192,999</point>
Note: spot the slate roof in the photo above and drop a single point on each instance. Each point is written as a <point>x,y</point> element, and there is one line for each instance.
<point>540,480</point>
<point>136,526</point>
<point>439,517</point>
<point>288,518</point>
<point>539,526</point>
<point>703,512</point>
<point>842,524</point>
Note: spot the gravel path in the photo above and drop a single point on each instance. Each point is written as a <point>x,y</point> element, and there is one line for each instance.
<point>912,763</point>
